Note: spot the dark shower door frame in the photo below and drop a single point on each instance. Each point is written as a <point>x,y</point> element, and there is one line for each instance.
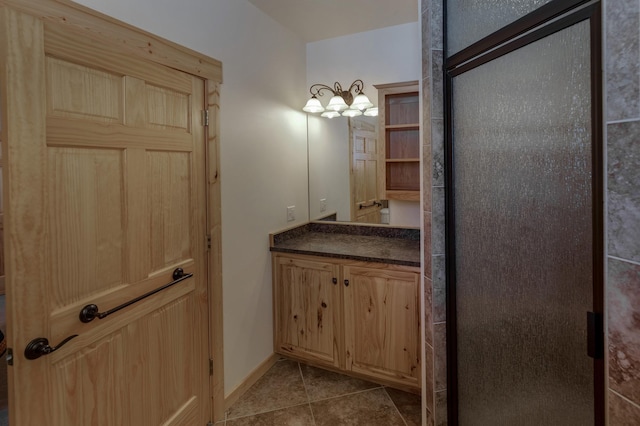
<point>497,44</point>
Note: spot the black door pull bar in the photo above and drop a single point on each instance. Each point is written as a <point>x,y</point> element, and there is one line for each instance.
<point>373,203</point>
<point>91,312</point>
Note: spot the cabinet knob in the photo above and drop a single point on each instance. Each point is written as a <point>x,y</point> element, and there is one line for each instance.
<point>346,283</point>
<point>334,280</point>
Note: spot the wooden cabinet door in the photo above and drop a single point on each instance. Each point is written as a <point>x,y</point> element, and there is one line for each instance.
<point>104,198</point>
<point>307,309</point>
<point>382,323</point>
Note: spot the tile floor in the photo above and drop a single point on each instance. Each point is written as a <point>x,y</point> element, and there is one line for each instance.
<point>293,394</point>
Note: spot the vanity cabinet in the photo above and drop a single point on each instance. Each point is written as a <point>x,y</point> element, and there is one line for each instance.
<point>362,318</point>
<point>382,322</point>
<point>399,122</point>
<point>307,305</point>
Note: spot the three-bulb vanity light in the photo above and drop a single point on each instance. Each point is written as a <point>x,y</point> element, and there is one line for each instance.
<point>342,102</point>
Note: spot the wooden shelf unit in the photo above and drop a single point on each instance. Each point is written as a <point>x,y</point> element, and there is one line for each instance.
<point>399,112</point>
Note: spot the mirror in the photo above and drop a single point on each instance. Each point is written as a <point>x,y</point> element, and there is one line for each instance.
<point>346,177</point>
<point>344,181</point>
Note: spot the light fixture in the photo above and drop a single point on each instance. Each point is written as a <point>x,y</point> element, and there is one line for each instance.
<point>337,103</point>
<point>330,114</point>
<point>313,105</point>
<point>342,101</point>
<point>371,112</point>
<point>352,113</point>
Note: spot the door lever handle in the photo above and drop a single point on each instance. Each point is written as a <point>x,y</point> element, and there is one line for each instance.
<point>40,346</point>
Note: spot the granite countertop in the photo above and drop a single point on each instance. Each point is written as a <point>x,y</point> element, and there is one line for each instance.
<point>400,246</point>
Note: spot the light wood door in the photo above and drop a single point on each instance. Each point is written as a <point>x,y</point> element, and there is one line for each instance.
<point>382,322</point>
<point>307,309</point>
<point>364,177</point>
<point>365,205</point>
<point>104,198</point>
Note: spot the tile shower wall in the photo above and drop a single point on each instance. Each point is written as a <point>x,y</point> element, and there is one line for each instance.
<point>622,65</point>
<point>435,389</point>
<point>622,112</point>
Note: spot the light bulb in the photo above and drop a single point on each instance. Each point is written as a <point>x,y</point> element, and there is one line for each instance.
<point>371,112</point>
<point>361,102</point>
<point>330,114</point>
<point>313,105</point>
<point>337,104</point>
<point>352,113</point>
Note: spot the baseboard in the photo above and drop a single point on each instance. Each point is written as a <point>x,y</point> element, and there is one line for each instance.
<point>250,380</point>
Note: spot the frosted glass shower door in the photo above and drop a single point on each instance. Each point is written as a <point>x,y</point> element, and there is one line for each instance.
<point>521,164</point>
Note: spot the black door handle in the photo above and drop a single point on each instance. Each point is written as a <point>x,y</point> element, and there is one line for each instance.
<point>595,335</point>
<point>40,346</point>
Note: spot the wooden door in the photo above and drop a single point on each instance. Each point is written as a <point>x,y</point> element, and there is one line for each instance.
<point>365,204</point>
<point>104,199</point>
<point>307,309</point>
<point>382,322</point>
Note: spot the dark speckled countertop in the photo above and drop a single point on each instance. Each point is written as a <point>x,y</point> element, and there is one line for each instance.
<point>400,246</point>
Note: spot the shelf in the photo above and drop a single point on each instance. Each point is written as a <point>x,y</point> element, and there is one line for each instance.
<point>403,195</point>
<point>403,176</point>
<point>402,160</point>
<point>402,143</point>
<point>402,127</point>
<point>402,108</point>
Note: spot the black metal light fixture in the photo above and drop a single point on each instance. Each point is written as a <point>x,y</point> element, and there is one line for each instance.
<point>342,102</point>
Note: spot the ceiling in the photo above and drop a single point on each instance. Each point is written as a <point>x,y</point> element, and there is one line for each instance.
<point>315,20</point>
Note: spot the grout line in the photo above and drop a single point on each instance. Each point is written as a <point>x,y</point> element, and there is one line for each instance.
<point>395,406</point>
<point>624,398</point>
<point>626,120</point>
<point>265,411</point>
<point>271,409</point>
<point>304,385</point>
<point>348,394</point>
<point>633,262</point>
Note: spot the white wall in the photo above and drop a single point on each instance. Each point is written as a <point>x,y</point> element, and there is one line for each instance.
<point>263,148</point>
<point>387,55</point>
<point>329,166</point>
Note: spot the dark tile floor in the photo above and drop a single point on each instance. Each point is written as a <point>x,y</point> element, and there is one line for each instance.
<point>293,394</point>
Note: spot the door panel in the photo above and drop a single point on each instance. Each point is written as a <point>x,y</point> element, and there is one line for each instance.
<point>523,247</point>
<point>470,21</point>
<point>86,212</point>
<point>96,375</point>
<point>72,89</point>
<point>169,203</point>
<point>308,315</point>
<point>379,302</point>
<point>113,204</point>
